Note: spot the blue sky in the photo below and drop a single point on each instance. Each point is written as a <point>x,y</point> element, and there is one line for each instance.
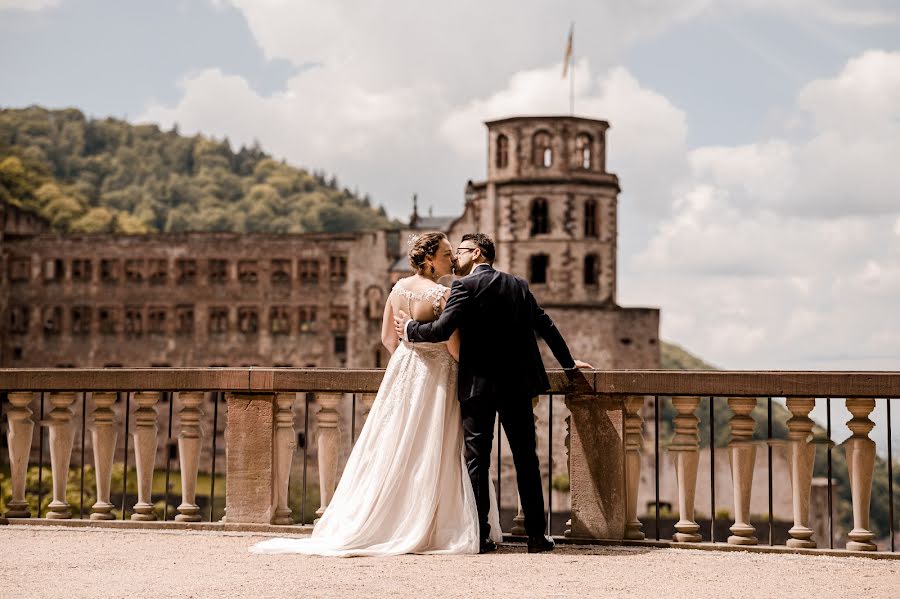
<point>756,140</point>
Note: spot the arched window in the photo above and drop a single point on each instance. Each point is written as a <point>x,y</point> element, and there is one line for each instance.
<point>583,150</point>
<point>542,153</point>
<point>540,218</point>
<point>591,270</point>
<point>590,218</point>
<point>537,268</point>
<point>502,151</point>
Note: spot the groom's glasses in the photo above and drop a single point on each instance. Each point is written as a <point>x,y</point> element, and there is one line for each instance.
<point>460,250</point>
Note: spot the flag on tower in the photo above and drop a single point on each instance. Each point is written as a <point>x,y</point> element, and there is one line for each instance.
<point>568,56</point>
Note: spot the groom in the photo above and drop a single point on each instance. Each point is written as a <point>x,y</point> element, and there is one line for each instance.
<point>500,371</point>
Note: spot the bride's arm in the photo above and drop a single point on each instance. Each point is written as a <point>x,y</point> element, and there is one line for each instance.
<point>453,342</point>
<point>388,334</point>
<point>453,345</point>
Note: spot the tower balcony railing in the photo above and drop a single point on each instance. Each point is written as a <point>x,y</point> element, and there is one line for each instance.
<point>262,447</point>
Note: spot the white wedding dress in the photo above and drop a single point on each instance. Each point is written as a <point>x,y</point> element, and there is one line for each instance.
<point>405,488</point>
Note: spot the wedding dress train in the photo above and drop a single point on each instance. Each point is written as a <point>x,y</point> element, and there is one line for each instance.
<point>405,488</point>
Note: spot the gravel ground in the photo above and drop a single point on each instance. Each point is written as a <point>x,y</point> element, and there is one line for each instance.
<point>64,562</point>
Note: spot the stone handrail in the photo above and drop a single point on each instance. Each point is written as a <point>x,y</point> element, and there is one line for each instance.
<point>605,438</point>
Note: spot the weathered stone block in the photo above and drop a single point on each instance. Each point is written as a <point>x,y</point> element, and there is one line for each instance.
<point>249,457</point>
<point>596,467</point>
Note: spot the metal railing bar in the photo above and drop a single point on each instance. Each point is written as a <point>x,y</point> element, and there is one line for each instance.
<point>656,456</point>
<point>769,458</point>
<point>215,434</point>
<point>305,456</point>
<point>41,460</point>
<point>353,422</point>
<point>550,467</point>
<point>890,466</point>
<point>830,489</point>
<point>712,469</point>
<point>499,464</point>
<point>171,398</point>
<point>83,423</point>
<point>125,455</point>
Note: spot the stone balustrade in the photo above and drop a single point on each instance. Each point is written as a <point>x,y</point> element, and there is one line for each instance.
<point>606,437</point>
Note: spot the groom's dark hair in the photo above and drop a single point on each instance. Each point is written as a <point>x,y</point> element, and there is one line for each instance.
<point>484,243</point>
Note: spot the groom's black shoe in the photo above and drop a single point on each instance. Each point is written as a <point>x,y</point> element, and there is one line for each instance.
<point>487,546</point>
<point>540,544</point>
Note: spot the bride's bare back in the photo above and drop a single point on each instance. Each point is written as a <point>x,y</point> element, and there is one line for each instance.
<point>420,298</point>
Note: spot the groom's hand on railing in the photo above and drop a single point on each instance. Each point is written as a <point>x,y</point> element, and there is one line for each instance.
<point>400,321</point>
<point>578,383</point>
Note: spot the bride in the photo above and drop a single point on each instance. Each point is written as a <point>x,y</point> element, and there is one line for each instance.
<point>405,488</point>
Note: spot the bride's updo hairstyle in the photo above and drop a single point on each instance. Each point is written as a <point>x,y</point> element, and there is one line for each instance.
<point>423,246</point>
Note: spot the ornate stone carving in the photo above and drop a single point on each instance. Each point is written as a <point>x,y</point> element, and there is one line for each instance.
<point>685,449</point>
<point>860,451</point>
<point>634,441</point>
<point>145,444</point>
<point>742,455</point>
<point>285,442</point>
<point>802,455</point>
<point>328,420</point>
<point>189,440</point>
<point>18,436</point>
<point>62,436</point>
<point>103,435</point>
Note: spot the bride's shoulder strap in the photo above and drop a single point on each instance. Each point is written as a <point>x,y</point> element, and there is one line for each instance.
<point>434,295</point>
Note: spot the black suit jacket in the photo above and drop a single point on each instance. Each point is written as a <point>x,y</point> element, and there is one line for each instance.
<point>497,317</point>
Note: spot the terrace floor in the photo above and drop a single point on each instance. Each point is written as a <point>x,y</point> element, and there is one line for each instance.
<point>51,561</point>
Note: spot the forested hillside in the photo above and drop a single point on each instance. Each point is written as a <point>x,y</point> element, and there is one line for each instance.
<point>94,176</point>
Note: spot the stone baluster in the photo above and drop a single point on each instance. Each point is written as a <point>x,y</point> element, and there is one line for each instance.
<point>519,519</point>
<point>802,455</point>
<point>742,455</point>
<point>189,440</point>
<point>145,444</point>
<point>860,452</point>
<point>686,453</point>
<point>329,438</point>
<point>18,436</point>
<point>634,441</point>
<point>62,436</point>
<point>285,442</point>
<point>103,437</point>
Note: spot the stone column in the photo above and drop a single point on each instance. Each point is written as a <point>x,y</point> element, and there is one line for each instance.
<point>189,453</point>
<point>860,451</point>
<point>329,438</point>
<point>802,455</point>
<point>596,471</point>
<point>519,519</point>
<point>62,435</point>
<point>742,455</point>
<point>250,458</point>
<point>145,433</point>
<point>633,443</point>
<point>685,449</point>
<point>18,437</point>
<point>103,435</point>
<point>285,442</point>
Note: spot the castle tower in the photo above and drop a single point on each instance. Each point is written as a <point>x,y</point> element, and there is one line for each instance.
<point>551,207</point>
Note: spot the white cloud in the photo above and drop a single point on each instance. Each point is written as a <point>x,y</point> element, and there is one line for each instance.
<point>30,5</point>
<point>648,134</point>
<point>785,247</point>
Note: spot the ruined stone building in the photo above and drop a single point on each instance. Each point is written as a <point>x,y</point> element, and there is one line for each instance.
<point>316,300</point>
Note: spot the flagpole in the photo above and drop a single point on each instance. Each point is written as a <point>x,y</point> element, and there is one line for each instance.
<point>572,87</point>
<point>572,68</point>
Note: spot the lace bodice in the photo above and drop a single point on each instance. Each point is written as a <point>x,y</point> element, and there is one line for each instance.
<point>432,296</point>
